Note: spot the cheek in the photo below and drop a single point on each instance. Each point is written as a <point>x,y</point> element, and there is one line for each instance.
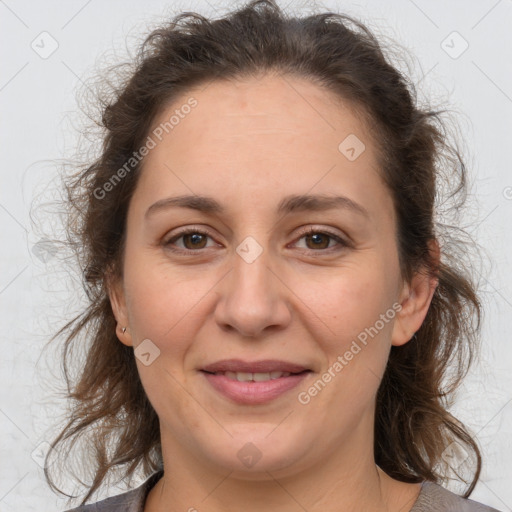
<point>347,301</point>
<point>163,303</point>
<point>164,307</point>
<point>355,340</point>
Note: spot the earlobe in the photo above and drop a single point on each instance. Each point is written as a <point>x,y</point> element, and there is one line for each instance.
<point>118,304</point>
<point>124,335</point>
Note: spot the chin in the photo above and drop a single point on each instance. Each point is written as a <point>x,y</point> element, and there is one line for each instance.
<point>253,456</point>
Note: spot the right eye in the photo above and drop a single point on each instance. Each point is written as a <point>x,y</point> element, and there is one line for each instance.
<point>193,237</point>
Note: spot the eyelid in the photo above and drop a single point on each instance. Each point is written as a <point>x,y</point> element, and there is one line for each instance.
<point>324,230</point>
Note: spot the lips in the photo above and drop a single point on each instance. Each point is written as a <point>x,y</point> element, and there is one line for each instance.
<point>252,383</point>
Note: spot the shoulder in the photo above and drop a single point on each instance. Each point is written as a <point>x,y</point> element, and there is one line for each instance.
<point>435,498</point>
<point>130,501</point>
<point>126,502</point>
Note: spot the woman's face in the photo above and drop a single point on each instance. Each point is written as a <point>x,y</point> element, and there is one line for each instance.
<point>260,346</point>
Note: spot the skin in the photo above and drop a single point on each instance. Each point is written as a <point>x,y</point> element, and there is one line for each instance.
<point>248,144</point>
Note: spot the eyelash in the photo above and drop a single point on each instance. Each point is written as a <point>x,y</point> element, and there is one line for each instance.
<point>309,231</point>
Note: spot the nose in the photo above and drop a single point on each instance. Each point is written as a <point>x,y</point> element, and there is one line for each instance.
<point>253,298</point>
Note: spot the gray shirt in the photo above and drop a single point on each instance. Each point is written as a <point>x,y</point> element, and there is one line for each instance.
<point>432,498</point>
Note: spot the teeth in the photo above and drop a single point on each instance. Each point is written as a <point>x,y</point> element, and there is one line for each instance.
<point>243,377</point>
<point>257,377</point>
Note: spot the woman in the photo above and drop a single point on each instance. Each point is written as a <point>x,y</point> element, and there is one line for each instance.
<point>272,313</point>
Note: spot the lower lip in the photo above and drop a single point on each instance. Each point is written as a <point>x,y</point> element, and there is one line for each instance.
<point>251,393</point>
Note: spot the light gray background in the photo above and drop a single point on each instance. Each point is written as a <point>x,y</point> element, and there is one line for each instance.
<point>37,99</point>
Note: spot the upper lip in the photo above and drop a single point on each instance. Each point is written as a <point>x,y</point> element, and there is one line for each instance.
<point>264,366</point>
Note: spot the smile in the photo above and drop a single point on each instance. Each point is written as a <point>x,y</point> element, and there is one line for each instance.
<point>252,383</point>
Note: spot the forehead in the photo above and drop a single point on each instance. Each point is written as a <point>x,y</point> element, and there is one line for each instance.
<point>280,134</point>
<point>230,110</point>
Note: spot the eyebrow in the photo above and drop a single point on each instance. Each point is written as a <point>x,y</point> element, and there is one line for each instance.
<point>289,204</point>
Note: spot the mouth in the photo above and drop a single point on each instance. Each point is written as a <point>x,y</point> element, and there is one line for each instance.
<point>252,383</point>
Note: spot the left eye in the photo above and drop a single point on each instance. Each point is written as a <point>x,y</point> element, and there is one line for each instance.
<point>321,239</point>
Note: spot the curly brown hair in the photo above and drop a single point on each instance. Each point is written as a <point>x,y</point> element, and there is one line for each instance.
<point>412,425</point>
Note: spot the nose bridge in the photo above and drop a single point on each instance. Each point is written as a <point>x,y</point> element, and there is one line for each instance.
<point>252,295</point>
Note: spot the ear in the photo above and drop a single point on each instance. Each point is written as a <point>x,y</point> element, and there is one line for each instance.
<point>117,298</point>
<point>415,301</point>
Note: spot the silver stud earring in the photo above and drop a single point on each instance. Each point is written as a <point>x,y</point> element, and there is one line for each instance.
<point>124,330</point>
